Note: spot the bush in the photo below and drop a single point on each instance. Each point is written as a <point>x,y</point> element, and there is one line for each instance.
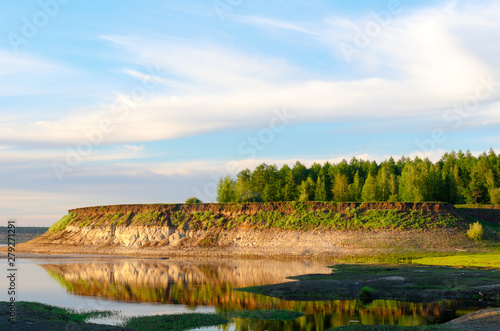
<point>193,200</point>
<point>366,295</point>
<point>495,196</point>
<point>475,231</point>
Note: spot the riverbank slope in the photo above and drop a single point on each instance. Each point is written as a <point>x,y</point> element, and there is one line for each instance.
<point>289,229</point>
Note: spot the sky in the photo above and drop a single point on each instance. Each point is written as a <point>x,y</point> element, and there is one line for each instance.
<point>123,102</point>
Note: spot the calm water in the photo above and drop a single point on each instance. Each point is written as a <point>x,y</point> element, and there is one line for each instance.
<point>153,286</point>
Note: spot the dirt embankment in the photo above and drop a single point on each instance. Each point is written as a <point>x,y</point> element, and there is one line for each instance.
<point>485,213</point>
<point>312,229</point>
<point>255,208</point>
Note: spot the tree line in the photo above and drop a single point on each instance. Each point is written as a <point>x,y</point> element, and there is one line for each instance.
<point>456,178</point>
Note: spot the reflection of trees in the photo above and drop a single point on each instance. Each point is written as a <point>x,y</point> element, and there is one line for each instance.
<point>194,284</point>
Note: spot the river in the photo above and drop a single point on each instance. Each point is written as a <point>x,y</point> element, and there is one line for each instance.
<point>136,287</point>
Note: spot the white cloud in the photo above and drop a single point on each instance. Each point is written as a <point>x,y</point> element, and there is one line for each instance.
<point>17,158</point>
<point>271,23</point>
<point>203,87</point>
<point>17,63</point>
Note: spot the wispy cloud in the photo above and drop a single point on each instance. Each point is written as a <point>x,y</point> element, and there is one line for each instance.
<point>267,23</point>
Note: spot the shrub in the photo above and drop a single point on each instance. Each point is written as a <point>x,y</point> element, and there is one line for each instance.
<point>193,200</point>
<point>366,295</point>
<point>475,231</point>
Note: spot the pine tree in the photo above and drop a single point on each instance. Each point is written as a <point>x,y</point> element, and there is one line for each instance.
<point>370,189</point>
<point>290,191</point>
<point>320,193</point>
<point>383,191</point>
<point>307,190</point>
<point>340,186</point>
<point>354,189</point>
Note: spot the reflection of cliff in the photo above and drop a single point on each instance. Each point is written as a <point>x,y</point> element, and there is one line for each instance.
<point>212,283</point>
<point>175,281</point>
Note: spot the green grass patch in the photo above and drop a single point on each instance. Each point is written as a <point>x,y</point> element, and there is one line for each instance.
<point>388,258</point>
<point>175,322</point>
<point>484,260</point>
<point>42,315</point>
<point>149,217</point>
<point>63,223</point>
<point>352,219</point>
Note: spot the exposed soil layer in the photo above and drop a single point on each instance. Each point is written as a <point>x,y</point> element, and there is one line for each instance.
<point>491,214</point>
<point>254,208</point>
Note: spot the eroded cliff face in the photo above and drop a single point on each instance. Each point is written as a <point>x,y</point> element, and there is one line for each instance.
<point>241,229</point>
<point>254,208</point>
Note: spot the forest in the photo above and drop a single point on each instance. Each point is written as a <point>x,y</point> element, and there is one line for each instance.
<point>456,178</point>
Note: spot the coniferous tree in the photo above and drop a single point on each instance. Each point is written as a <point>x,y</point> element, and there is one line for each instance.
<point>320,193</point>
<point>354,189</point>
<point>290,190</point>
<point>370,190</point>
<point>383,184</point>
<point>393,188</point>
<point>307,190</point>
<point>340,186</point>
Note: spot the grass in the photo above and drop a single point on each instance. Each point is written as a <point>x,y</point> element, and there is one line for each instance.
<point>485,260</point>
<point>63,223</point>
<point>175,322</point>
<point>351,219</point>
<point>47,317</point>
<point>43,311</point>
<point>396,258</point>
<point>409,283</point>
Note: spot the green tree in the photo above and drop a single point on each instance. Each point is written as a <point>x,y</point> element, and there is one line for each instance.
<point>340,186</point>
<point>476,191</point>
<point>307,190</point>
<point>270,193</point>
<point>383,185</point>
<point>495,196</point>
<point>226,190</point>
<point>410,185</point>
<point>290,191</point>
<point>243,185</point>
<point>320,193</point>
<point>370,190</point>
<point>393,188</point>
<point>354,189</point>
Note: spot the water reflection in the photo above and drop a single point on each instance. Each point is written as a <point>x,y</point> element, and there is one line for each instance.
<point>212,283</point>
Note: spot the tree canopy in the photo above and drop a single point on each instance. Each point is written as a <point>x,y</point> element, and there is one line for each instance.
<point>456,178</point>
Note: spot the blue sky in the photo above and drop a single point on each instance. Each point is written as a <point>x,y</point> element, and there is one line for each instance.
<point>109,102</point>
